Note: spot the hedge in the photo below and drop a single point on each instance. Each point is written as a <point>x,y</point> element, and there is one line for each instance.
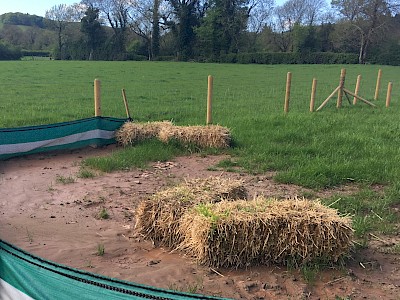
<point>290,58</point>
<point>36,53</point>
<point>9,53</point>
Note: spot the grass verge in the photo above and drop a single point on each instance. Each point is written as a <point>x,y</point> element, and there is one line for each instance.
<point>140,155</point>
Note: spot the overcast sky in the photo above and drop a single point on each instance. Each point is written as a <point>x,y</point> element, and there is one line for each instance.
<point>39,7</point>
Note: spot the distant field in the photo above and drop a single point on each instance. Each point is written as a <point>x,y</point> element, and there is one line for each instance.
<point>353,145</point>
<point>37,92</point>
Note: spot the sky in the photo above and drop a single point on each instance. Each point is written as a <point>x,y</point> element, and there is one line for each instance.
<point>32,7</point>
<point>39,7</point>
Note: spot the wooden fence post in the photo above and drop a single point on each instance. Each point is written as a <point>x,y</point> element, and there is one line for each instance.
<point>128,114</point>
<point>287,95</point>
<point>97,98</point>
<point>356,91</point>
<point>209,99</point>
<point>313,92</point>
<point>378,84</point>
<point>341,86</point>
<point>389,94</point>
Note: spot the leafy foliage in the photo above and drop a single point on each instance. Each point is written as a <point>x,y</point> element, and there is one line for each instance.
<point>94,32</point>
<point>290,58</point>
<point>9,52</point>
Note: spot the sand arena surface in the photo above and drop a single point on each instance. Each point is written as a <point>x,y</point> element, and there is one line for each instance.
<point>60,222</point>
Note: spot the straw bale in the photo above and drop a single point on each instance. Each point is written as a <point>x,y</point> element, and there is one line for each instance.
<point>216,188</point>
<point>131,132</point>
<point>212,136</point>
<point>158,217</point>
<point>264,231</point>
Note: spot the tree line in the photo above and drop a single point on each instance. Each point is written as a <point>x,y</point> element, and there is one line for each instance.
<point>258,31</point>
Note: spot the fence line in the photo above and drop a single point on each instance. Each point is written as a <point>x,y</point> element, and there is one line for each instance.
<point>182,101</point>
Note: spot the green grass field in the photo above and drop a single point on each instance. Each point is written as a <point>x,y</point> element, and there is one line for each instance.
<point>353,145</point>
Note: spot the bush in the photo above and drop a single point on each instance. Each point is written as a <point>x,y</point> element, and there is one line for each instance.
<point>388,54</point>
<point>36,53</point>
<point>165,58</point>
<point>136,57</point>
<point>9,52</point>
<point>228,58</point>
<point>290,58</point>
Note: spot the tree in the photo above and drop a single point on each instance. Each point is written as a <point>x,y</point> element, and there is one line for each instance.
<point>91,27</point>
<point>260,12</point>
<point>60,15</point>
<point>144,17</point>
<point>283,27</point>
<point>232,16</point>
<point>115,13</point>
<point>155,42</point>
<point>388,52</point>
<point>77,11</point>
<point>182,25</point>
<point>368,18</point>
<point>295,21</point>
<point>11,34</point>
<point>223,26</point>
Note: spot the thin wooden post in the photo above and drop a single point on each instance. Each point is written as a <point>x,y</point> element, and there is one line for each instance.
<point>341,85</point>
<point>313,92</point>
<point>389,94</point>
<point>329,98</point>
<point>287,95</point>
<point>128,115</point>
<point>97,97</point>
<point>356,91</point>
<point>378,84</point>
<point>209,99</point>
<point>359,98</point>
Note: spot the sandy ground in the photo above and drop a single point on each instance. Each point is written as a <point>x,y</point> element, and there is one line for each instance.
<point>60,222</point>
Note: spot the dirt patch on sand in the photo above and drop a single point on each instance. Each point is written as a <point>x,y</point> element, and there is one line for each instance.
<point>60,222</point>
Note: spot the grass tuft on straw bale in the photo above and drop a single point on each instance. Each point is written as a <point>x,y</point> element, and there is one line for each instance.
<point>130,133</point>
<point>264,231</point>
<point>212,136</point>
<point>158,218</point>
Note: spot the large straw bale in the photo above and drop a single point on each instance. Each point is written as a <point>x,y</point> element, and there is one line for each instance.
<point>131,132</point>
<point>264,231</point>
<point>212,136</point>
<point>158,217</point>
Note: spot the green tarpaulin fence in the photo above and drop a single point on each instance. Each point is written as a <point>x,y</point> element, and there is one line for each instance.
<point>96,131</point>
<point>25,276</point>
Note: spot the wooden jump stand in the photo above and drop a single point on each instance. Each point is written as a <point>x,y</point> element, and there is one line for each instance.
<point>341,90</point>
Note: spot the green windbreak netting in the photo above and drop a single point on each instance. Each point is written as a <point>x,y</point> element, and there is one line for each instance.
<point>96,131</point>
<point>25,276</point>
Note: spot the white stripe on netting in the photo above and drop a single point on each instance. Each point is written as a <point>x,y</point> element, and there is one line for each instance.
<point>69,139</point>
<point>8,292</point>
